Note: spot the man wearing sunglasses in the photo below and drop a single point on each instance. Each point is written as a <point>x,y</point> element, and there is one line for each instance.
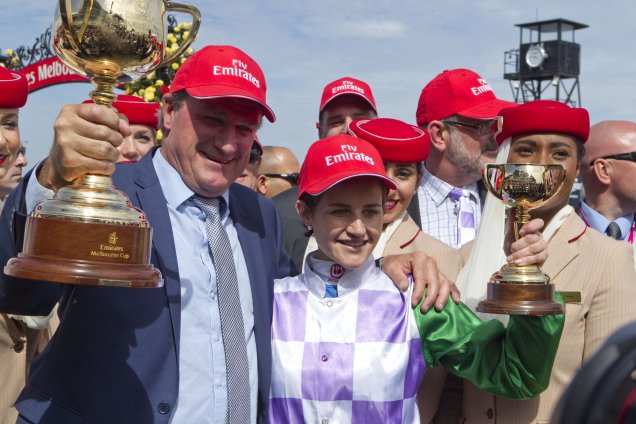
<point>608,171</point>
<point>459,110</point>
<point>278,171</point>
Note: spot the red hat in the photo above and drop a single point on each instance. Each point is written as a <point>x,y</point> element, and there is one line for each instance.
<point>347,85</point>
<point>13,89</point>
<point>396,140</point>
<point>458,92</point>
<point>544,116</point>
<point>137,110</point>
<point>337,158</point>
<point>222,71</point>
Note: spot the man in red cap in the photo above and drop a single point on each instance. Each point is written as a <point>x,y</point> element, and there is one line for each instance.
<point>594,273</point>
<point>458,107</point>
<point>198,349</point>
<point>342,101</point>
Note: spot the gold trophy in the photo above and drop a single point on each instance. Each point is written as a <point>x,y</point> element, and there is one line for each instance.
<point>89,232</point>
<point>522,290</point>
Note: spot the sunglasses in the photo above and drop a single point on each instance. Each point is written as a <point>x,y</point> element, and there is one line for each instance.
<point>487,126</point>
<point>631,156</point>
<point>292,177</point>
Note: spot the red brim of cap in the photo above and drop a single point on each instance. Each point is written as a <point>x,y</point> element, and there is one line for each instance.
<point>486,110</point>
<point>217,91</point>
<point>326,183</point>
<point>351,93</point>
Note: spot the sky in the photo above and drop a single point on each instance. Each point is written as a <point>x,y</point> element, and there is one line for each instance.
<point>395,46</point>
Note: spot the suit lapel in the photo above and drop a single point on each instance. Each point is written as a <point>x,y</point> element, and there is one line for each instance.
<point>153,203</point>
<point>561,249</point>
<point>413,209</point>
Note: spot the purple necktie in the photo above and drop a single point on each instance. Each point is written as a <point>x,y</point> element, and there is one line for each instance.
<point>465,216</point>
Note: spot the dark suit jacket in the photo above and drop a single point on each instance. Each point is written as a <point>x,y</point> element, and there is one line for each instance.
<point>294,236</point>
<point>114,357</point>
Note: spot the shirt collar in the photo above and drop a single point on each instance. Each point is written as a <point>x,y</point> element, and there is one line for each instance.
<point>600,223</point>
<point>439,190</point>
<point>174,188</point>
<point>317,273</point>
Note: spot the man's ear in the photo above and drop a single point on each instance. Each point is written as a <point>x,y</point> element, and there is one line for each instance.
<point>436,130</point>
<point>261,184</point>
<point>603,171</point>
<point>167,110</point>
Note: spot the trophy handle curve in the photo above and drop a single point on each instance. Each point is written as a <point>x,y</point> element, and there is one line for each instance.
<point>496,191</point>
<point>66,13</point>
<point>196,21</point>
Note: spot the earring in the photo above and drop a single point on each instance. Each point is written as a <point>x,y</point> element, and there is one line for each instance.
<point>309,227</point>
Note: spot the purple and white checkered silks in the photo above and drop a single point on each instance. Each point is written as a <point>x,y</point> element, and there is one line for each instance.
<point>356,358</point>
<point>465,216</point>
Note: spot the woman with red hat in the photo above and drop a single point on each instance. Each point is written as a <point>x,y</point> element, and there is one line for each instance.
<point>346,344</point>
<point>596,272</point>
<point>144,123</point>
<point>13,95</point>
<point>21,338</point>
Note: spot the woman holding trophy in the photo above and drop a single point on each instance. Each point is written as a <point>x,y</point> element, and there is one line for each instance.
<point>594,273</point>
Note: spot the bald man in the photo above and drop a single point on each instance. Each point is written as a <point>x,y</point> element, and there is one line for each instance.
<point>278,171</point>
<point>608,171</point>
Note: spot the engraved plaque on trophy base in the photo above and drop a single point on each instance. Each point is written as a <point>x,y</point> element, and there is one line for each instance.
<point>100,254</point>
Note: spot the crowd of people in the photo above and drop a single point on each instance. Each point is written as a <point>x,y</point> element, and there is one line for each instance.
<point>316,291</point>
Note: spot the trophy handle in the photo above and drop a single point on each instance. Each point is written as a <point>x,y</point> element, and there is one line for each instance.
<point>196,21</point>
<point>66,13</point>
<point>496,188</point>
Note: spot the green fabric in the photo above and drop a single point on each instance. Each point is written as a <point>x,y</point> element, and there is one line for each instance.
<point>513,362</point>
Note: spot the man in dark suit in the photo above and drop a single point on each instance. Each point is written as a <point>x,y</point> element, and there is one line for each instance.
<point>343,101</point>
<point>159,355</point>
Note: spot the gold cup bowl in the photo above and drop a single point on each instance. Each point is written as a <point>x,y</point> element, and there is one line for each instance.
<point>90,233</point>
<point>522,290</point>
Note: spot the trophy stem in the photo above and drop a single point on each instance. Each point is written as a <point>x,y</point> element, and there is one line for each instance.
<point>523,217</point>
<point>105,82</point>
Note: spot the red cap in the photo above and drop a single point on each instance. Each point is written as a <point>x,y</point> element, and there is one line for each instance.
<point>337,158</point>
<point>544,116</point>
<point>13,89</point>
<point>222,71</point>
<point>347,85</point>
<point>458,92</point>
<point>137,110</point>
<point>396,140</point>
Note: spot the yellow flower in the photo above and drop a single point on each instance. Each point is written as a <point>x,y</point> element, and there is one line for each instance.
<point>159,83</point>
<point>183,59</point>
<point>174,66</point>
<point>174,46</point>
<point>189,51</point>
<point>177,29</point>
<point>8,52</point>
<point>186,34</point>
<point>149,97</point>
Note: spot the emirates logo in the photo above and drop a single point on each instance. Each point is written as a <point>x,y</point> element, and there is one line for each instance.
<point>337,271</point>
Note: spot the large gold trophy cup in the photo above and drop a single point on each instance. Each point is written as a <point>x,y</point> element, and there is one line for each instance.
<point>522,290</point>
<point>89,233</point>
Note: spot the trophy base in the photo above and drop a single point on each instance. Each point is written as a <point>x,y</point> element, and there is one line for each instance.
<point>520,299</point>
<point>80,272</point>
<point>88,253</point>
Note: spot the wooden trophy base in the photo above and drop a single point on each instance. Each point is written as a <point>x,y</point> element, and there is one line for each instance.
<point>87,253</point>
<point>520,299</point>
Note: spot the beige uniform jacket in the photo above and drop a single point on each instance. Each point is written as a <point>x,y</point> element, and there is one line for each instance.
<point>408,238</point>
<point>18,345</point>
<point>602,271</point>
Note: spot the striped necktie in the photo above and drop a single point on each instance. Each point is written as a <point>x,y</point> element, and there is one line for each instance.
<point>614,231</point>
<point>465,216</point>
<point>232,327</point>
